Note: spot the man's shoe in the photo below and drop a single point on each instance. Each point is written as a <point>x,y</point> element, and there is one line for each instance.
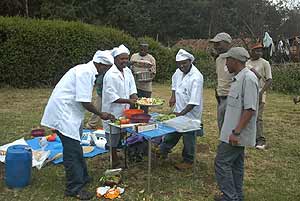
<point>81,195</point>
<point>184,166</point>
<point>296,99</point>
<point>260,147</point>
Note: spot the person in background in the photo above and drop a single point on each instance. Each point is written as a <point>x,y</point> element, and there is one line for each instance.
<point>187,92</point>
<point>222,42</point>
<point>239,127</point>
<point>119,93</point>
<point>94,121</point>
<point>65,112</point>
<point>262,69</point>
<point>144,70</point>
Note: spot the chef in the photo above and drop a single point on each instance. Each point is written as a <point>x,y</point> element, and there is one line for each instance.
<point>187,89</point>
<point>65,112</point>
<point>120,92</point>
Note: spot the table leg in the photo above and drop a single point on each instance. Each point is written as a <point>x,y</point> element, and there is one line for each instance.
<point>110,147</point>
<point>149,166</point>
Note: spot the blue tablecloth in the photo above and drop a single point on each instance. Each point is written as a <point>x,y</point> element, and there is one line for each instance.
<point>161,131</point>
<point>56,147</point>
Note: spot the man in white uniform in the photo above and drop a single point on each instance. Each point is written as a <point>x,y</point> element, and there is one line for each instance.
<point>119,92</point>
<point>187,90</point>
<point>65,113</point>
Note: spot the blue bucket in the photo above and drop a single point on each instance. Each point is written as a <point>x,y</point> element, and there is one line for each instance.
<point>18,163</point>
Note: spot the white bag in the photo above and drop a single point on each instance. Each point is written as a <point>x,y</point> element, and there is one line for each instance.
<point>184,124</point>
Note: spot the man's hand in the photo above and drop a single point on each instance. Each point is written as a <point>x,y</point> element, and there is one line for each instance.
<point>107,116</point>
<point>132,101</point>
<point>177,114</point>
<point>233,139</point>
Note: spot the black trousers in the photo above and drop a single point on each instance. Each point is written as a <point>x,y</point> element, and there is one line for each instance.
<point>75,165</point>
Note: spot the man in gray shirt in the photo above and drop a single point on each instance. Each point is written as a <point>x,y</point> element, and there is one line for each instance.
<point>239,127</point>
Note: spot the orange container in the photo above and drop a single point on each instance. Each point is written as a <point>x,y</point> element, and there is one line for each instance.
<point>129,112</point>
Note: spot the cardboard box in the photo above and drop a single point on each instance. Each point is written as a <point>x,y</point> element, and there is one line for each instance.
<point>147,127</point>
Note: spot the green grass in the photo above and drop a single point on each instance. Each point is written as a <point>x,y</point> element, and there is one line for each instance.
<point>273,174</point>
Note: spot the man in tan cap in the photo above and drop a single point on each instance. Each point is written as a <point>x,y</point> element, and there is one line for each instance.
<point>222,42</point>
<point>239,127</point>
<point>262,69</point>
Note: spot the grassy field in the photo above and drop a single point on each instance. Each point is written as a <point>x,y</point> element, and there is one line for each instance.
<point>271,175</point>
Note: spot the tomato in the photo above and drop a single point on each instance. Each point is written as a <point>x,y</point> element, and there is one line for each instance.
<point>128,121</point>
<point>123,121</point>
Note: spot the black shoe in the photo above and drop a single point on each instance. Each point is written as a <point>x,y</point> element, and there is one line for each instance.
<point>81,195</point>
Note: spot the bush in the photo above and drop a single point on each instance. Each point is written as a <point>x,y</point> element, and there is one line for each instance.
<point>37,53</point>
<point>286,78</point>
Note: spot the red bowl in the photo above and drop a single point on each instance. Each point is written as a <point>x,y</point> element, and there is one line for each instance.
<point>38,132</point>
<point>129,112</point>
<point>140,118</point>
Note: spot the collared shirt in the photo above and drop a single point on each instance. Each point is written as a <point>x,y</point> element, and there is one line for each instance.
<point>263,68</point>
<point>64,111</point>
<point>243,95</point>
<point>116,85</point>
<point>146,86</point>
<point>188,90</point>
<point>223,76</point>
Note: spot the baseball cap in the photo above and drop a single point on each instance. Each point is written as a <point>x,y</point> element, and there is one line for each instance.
<point>221,37</point>
<point>238,53</point>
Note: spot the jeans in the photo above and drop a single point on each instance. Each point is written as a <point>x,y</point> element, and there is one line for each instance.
<point>171,140</point>
<point>74,163</point>
<point>229,170</point>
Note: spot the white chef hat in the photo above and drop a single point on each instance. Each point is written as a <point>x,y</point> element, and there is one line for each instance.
<point>184,55</point>
<point>103,57</point>
<point>120,50</point>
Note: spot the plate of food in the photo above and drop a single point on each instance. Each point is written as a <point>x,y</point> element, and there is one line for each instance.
<point>150,101</point>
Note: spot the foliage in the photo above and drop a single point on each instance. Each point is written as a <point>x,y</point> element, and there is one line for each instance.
<point>169,20</point>
<point>286,78</point>
<point>39,52</point>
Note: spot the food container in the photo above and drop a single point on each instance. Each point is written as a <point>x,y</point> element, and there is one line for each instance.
<point>140,118</point>
<point>38,132</point>
<point>129,112</point>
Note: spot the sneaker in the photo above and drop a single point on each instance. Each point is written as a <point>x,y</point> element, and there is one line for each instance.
<point>184,166</point>
<point>260,147</point>
<point>296,99</point>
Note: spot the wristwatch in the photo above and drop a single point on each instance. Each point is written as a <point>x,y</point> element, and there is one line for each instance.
<point>235,133</point>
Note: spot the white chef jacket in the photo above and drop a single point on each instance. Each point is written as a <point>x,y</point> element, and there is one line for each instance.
<point>115,86</point>
<point>188,90</point>
<point>64,112</point>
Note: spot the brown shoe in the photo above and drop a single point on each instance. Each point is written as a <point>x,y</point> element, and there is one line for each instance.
<point>183,166</point>
<point>296,99</point>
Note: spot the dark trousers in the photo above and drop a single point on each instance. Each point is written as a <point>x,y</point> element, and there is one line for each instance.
<point>147,94</point>
<point>74,163</point>
<point>188,150</point>
<point>229,170</point>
